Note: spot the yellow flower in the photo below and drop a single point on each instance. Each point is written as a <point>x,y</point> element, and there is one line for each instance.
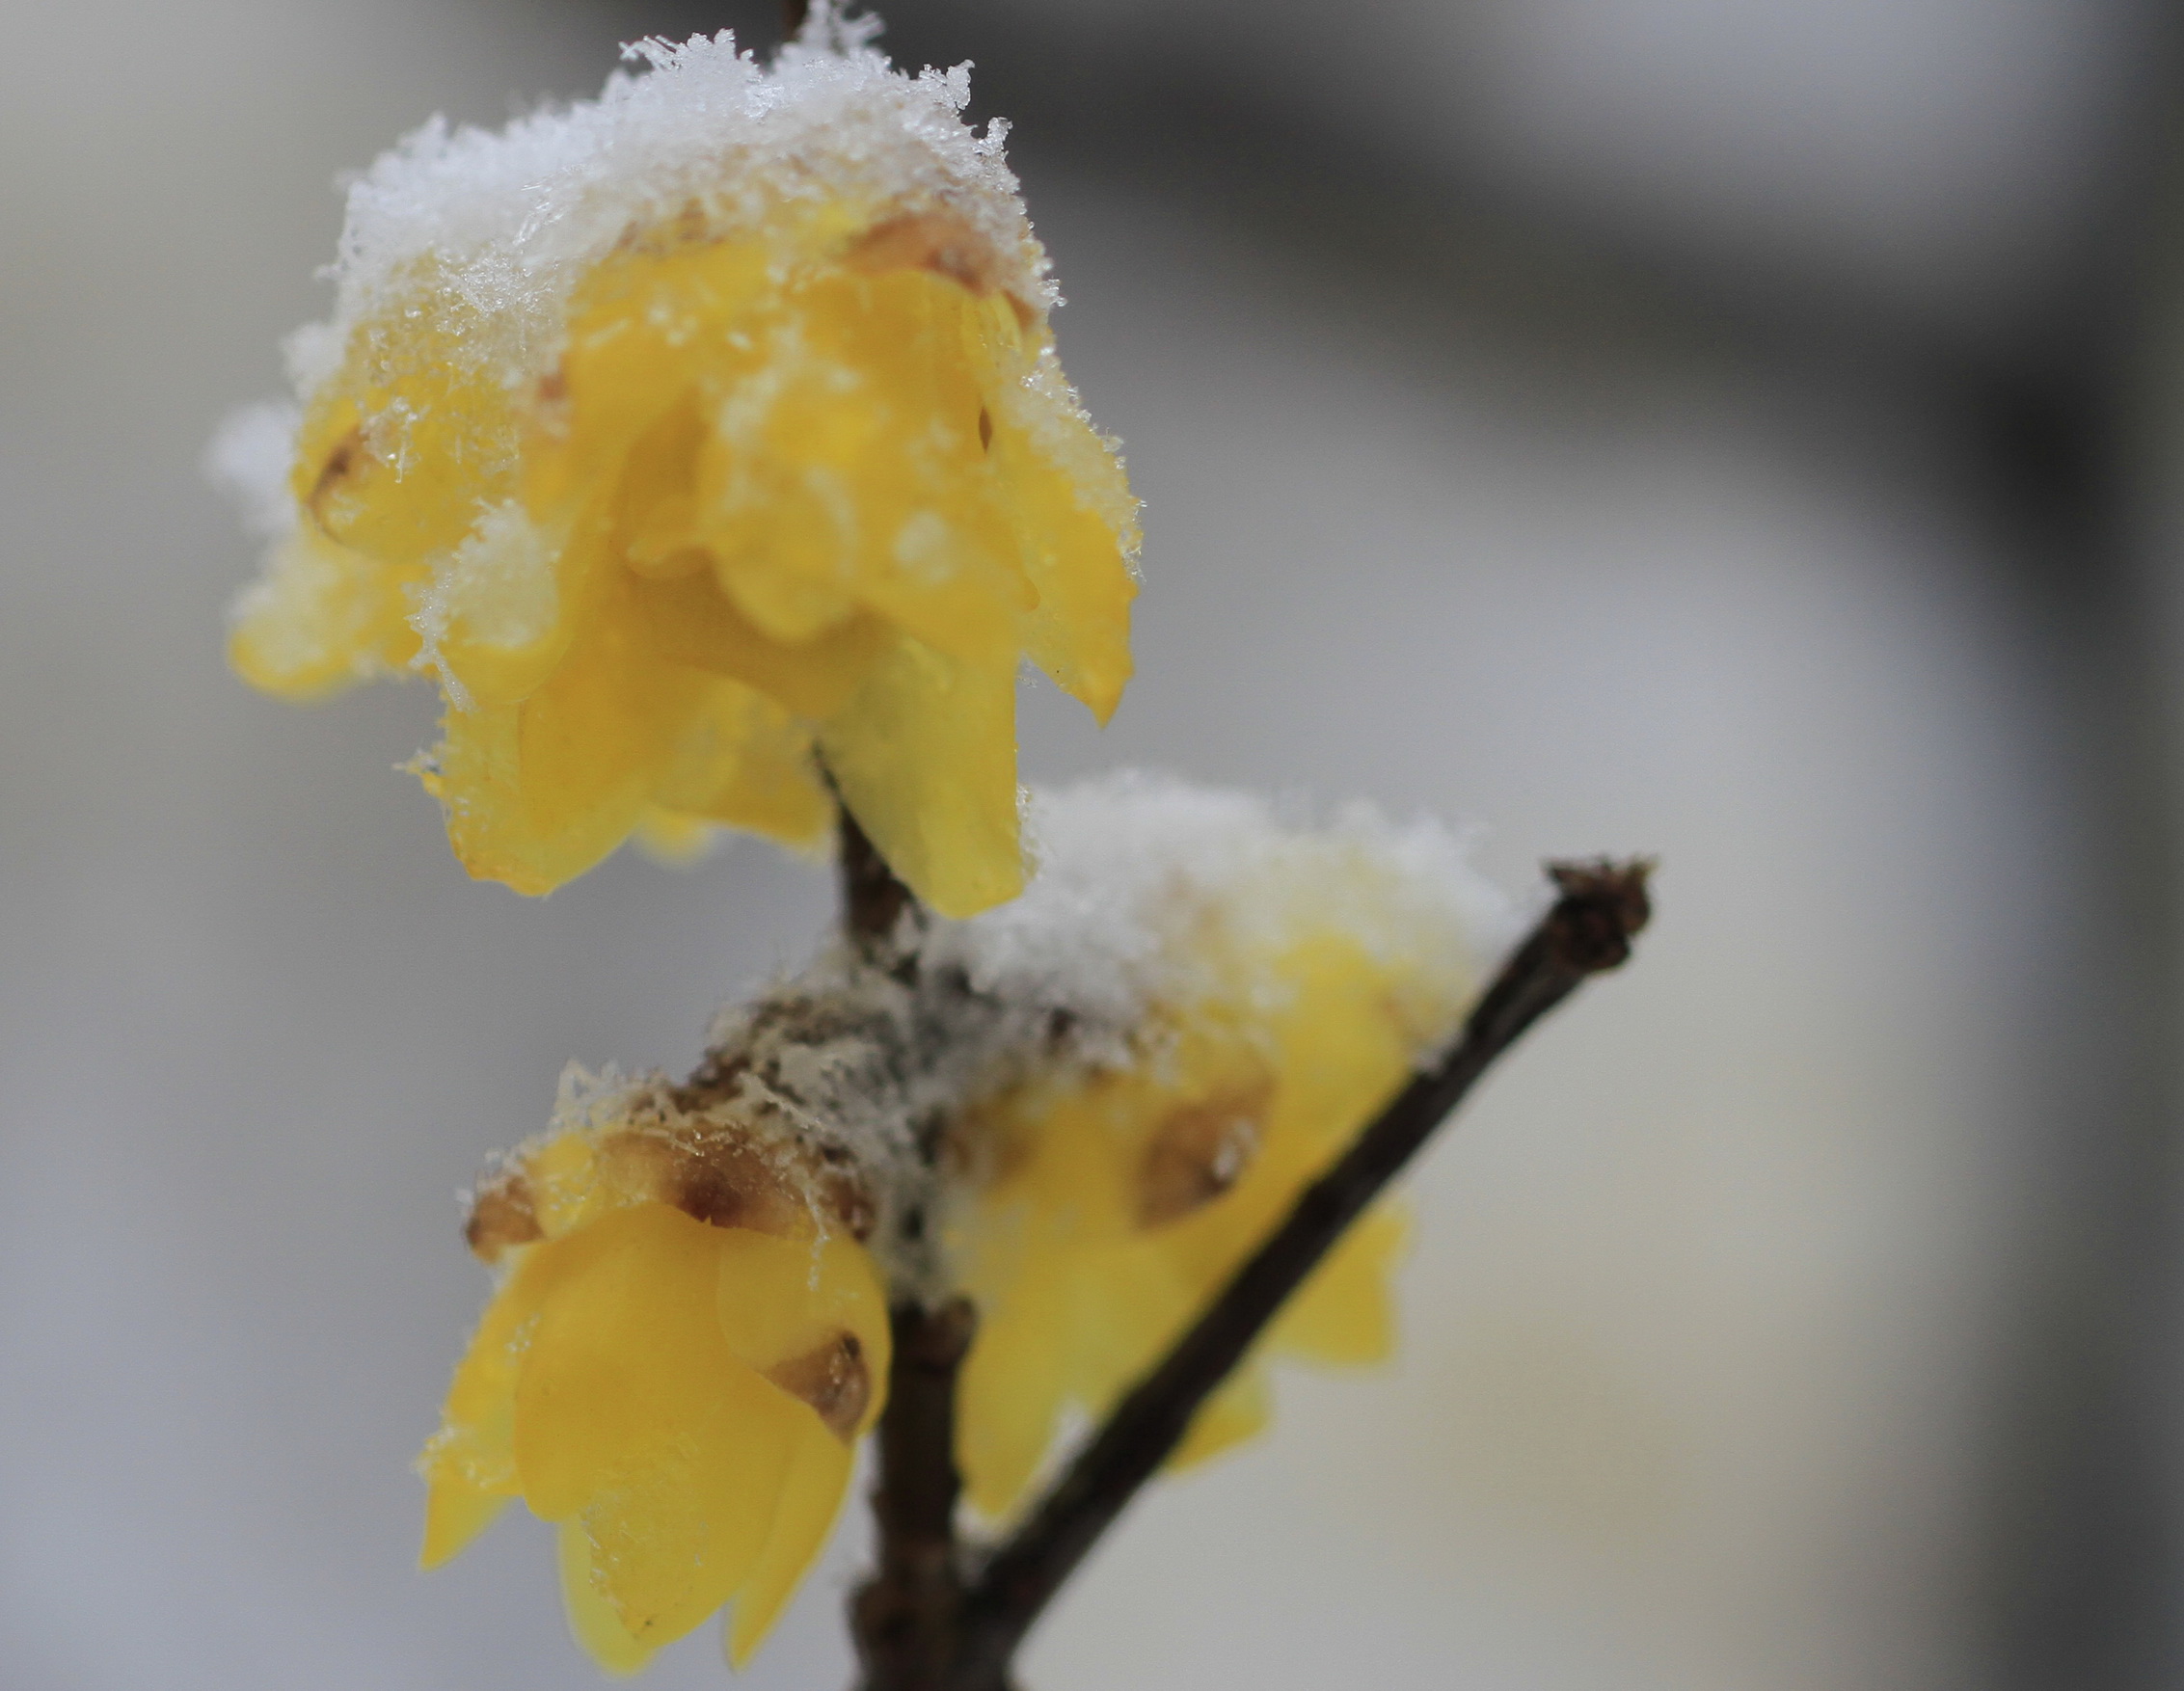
<point>1118,1202</point>
<point>683,1349</point>
<point>735,448</point>
<point>1286,983</point>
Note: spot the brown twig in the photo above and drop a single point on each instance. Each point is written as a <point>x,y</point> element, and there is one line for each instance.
<point>906,1618</point>
<point>1602,906</point>
<point>873,898</point>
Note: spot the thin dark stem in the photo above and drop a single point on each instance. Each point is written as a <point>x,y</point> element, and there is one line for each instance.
<point>1589,929</point>
<point>906,1616</point>
<point>873,898</point>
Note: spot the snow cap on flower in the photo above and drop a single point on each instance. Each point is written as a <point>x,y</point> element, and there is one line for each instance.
<point>695,438</point>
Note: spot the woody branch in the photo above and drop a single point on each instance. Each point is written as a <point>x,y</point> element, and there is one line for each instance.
<point>928,1620</point>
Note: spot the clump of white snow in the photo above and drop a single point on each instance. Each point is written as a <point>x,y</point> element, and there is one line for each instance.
<point>506,221</point>
<point>1152,892</point>
<point>248,461</point>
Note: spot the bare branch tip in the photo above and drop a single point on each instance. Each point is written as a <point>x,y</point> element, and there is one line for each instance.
<point>1606,902</point>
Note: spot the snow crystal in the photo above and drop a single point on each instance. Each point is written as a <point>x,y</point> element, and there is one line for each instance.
<point>1149,890</point>
<point>248,461</point>
<point>507,220</point>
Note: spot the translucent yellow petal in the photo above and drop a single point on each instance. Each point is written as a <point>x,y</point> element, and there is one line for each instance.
<point>592,1620</point>
<point>1011,1395</point>
<point>1239,1410</point>
<point>1077,564</point>
<point>655,508</point>
<point>322,618</point>
<point>1345,1312</point>
<point>819,1473</point>
<point>455,1512</point>
<point>505,605</point>
<point>690,622</point>
<point>538,793</point>
<point>925,758</point>
<point>779,1300</point>
<point>1132,1302</point>
<point>400,451</point>
<point>633,1417</point>
<point>672,838</point>
<point>781,566</point>
<point>646,328</point>
<point>857,472</point>
<point>470,1464</point>
<point>745,762</point>
<point>1343,1046</point>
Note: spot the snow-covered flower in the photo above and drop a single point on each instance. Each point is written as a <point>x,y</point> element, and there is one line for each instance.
<point>1283,983</point>
<point>707,441</point>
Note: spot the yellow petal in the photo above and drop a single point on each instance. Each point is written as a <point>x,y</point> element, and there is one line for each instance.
<point>673,838</point>
<point>400,451</point>
<point>1239,1410</point>
<point>745,762</point>
<point>322,618</point>
<point>780,1300</point>
<point>925,758</point>
<point>538,793</point>
<point>1132,1302</point>
<point>455,1512</point>
<point>656,519</point>
<point>633,1417</point>
<point>470,1464</point>
<point>857,472</point>
<point>688,621</point>
<point>819,1475</point>
<point>1343,1046</point>
<point>647,329</point>
<point>1010,1400</point>
<point>592,1620</point>
<point>781,564</point>
<point>1077,564</point>
<point>1344,1313</point>
<point>504,606</point>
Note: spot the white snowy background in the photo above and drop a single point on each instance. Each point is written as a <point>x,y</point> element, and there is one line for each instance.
<point>1709,1292</point>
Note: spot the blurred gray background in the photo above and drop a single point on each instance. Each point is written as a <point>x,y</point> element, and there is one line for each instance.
<point>1744,430</point>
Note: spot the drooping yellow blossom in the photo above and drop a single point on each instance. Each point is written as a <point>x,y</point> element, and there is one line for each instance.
<point>1118,1203</point>
<point>685,1347</point>
<point>707,443</point>
<point>1302,978</point>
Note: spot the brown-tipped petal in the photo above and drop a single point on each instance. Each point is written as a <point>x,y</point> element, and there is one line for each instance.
<point>502,1216</point>
<point>834,1378</point>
